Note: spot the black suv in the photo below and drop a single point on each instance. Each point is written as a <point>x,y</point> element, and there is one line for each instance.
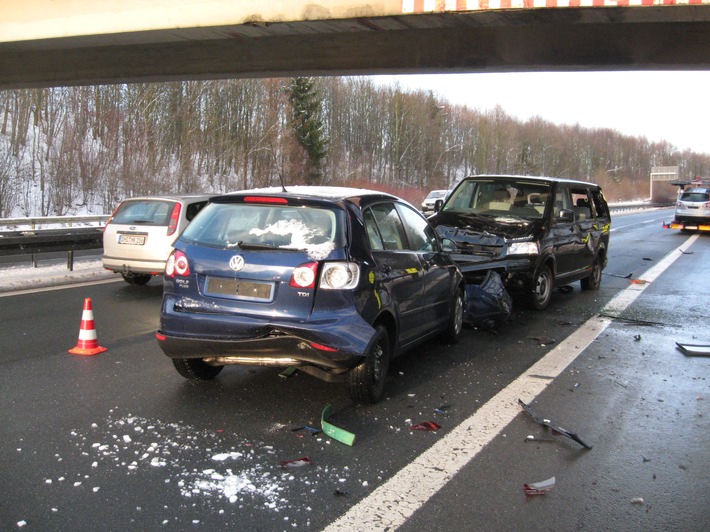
<point>537,232</point>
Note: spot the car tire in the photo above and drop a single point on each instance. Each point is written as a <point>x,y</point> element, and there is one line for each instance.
<point>541,293</point>
<point>136,278</point>
<point>594,281</point>
<point>196,369</point>
<point>366,381</point>
<point>452,335</point>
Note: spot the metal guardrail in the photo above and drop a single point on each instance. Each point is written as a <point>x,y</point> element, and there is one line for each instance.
<point>38,222</point>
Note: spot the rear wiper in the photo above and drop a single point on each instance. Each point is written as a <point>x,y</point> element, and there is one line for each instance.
<point>254,246</point>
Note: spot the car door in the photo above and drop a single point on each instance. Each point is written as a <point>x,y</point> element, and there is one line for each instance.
<point>436,273</point>
<point>566,237</point>
<point>398,270</point>
<point>585,227</point>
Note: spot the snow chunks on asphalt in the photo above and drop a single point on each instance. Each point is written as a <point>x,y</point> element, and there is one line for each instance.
<point>212,465</point>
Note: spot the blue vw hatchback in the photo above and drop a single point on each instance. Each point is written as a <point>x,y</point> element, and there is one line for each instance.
<point>332,281</point>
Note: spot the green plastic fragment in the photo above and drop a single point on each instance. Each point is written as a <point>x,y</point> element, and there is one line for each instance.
<point>341,435</point>
<point>285,374</point>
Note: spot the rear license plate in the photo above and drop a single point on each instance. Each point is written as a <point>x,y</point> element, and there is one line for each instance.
<point>133,240</point>
<point>240,289</point>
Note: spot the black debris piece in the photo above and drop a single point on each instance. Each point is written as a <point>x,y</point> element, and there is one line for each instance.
<point>488,303</point>
<point>542,340</point>
<point>556,429</point>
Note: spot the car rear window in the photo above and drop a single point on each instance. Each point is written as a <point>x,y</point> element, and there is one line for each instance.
<point>695,196</point>
<point>312,229</point>
<point>144,212</point>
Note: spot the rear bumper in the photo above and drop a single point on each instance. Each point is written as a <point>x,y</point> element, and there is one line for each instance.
<point>120,265</point>
<point>335,340</point>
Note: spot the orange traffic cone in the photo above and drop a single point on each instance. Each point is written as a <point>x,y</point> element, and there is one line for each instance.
<point>88,342</point>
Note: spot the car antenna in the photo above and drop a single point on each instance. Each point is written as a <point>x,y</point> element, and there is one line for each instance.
<point>283,187</point>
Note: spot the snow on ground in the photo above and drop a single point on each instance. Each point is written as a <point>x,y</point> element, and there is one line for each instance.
<point>23,276</point>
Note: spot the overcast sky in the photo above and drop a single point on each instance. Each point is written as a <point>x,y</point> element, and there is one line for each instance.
<point>672,106</point>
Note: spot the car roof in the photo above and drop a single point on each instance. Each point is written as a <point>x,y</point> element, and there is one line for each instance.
<point>184,197</point>
<point>533,178</point>
<point>315,192</point>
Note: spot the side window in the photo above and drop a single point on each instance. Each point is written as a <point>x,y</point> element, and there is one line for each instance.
<point>600,205</point>
<point>421,235</point>
<point>193,209</point>
<point>562,200</point>
<point>373,233</point>
<point>389,227</point>
<point>580,204</point>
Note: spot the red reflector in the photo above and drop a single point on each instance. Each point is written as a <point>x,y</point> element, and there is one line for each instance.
<point>322,347</point>
<point>265,199</point>
<point>160,337</point>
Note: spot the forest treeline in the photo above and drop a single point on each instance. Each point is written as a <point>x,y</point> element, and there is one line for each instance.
<point>86,148</point>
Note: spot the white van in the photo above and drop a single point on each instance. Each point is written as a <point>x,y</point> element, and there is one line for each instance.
<point>139,234</point>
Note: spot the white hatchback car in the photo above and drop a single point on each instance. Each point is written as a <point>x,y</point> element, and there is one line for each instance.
<point>140,233</point>
<point>693,205</point>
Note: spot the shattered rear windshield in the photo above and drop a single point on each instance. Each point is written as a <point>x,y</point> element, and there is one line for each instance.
<point>314,230</point>
<point>500,197</point>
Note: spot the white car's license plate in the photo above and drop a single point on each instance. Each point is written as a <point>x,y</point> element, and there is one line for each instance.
<point>134,240</point>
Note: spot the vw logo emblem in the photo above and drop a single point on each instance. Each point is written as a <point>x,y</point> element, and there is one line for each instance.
<point>236,263</point>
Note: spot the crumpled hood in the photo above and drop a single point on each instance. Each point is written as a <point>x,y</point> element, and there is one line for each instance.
<point>482,230</point>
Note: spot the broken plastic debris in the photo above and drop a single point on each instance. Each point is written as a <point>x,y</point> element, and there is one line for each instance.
<point>298,462</point>
<point>638,281</point>
<point>542,340</point>
<point>555,428</point>
<point>442,409</point>
<point>628,276</point>
<point>338,434</point>
<point>289,371</point>
<point>340,493</point>
<point>637,500</point>
<point>426,425</point>
<point>308,428</point>
<point>566,289</point>
<point>694,350</point>
<point>539,488</point>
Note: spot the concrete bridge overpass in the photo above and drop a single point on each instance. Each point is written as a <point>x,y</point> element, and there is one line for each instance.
<point>54,43</point>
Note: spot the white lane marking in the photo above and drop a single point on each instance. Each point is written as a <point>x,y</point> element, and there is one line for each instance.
<point>653,220</point>
<point>59,287</point>
<point>390,505</point>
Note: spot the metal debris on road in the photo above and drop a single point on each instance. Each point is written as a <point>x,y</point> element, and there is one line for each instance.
<point>628,276</point>
<point>694,350</point>
<point>539,488</point>
<point>308,428</point>
<point>556,429</point>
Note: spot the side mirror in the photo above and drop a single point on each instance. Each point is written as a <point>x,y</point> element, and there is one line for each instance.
<point>438,204</point>
<point>448,245</point>
<point>566,215</point>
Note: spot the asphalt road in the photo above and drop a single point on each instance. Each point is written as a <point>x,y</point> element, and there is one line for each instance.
<point>119,441</point>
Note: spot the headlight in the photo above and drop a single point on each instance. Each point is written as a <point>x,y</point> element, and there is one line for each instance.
<point>523,248</point>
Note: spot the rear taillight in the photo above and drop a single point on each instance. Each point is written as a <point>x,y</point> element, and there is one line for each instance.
<point>339,276</point>
<point>174,219</point>
<point>177,265</point>
<point>304,276</point>
<point>333,275</point>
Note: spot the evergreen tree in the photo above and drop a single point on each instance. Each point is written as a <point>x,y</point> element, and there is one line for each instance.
<point>307,126</point>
